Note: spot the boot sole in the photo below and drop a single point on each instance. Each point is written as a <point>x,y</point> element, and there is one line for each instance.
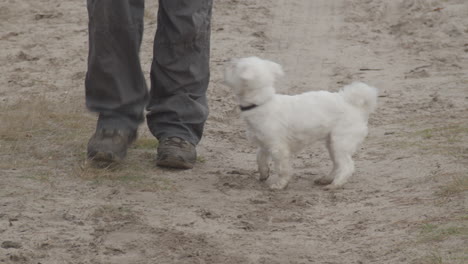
<point>174,163</point>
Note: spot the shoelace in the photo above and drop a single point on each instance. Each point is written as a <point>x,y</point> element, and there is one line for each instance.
<point>176,142</point>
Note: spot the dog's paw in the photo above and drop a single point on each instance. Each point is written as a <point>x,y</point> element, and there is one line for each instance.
<point>323,181</point>
<point>264,177</point>
<point>279,184</point>
<point>264,173</point>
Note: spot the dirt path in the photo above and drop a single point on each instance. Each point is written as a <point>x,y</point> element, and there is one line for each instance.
<point>307,30</point>
<point>406,202</point>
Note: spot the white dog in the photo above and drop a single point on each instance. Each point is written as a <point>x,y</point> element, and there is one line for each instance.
<point>282,125</point>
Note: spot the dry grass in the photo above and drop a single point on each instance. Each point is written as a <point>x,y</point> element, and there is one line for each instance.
<point>39,137</point>
<point>39,119</point>
<point>437,258</point>
<point>449,140</point>
<point>146,143</point>
<point>435,234</point>
<point>201,159</point>
<point>24,119</point>
<point>450,134</point>
<point>36,132</point>
<point>457,185</point>
<point>131,173</point>
<point>112,213</point>
<point>433,258</point>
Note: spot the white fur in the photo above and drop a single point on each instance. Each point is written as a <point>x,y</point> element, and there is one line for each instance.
<point>281,125</point>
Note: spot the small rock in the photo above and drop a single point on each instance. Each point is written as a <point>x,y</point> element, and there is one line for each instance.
<point>18,258</point>
<point>47,16</point>
<point>11,244</point>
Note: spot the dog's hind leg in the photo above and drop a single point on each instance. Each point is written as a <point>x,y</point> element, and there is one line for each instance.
<point>341,150</point>
<point>263,160</point>
<point>331,176</point>
<point>282,167</point>
<point>343,169</point>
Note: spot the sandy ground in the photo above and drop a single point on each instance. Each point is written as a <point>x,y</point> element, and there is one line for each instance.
<point>406,203</point>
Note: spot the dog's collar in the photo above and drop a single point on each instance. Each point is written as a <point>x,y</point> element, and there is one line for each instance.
<point>247,108</point>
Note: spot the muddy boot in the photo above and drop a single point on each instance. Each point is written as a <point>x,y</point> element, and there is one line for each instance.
<point>110,145</point>
<point>174,152</point>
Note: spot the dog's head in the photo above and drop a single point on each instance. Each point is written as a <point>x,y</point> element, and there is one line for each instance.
<point>252,77</point>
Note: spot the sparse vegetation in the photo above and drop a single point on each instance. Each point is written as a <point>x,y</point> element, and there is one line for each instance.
<point>405,204</point>
<point>450,134</point>
<point>433,258</point>
<point>146,143</point>
<point>426,133</point>
<point>444,140</point>
<point>201,159</point>
<point>438,258</point>
<point>24,120</point>
<point>41,134</point>
<point>458,184</point>
<point>131,173</point>
<point>434,233</point>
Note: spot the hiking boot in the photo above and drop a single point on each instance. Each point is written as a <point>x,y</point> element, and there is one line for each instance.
<point>174,152</point>
<point>110,144</point>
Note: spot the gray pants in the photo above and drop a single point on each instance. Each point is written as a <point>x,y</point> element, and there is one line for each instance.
<point>115,84</point>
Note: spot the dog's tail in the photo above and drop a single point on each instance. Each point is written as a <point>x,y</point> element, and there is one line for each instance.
<point>361,96</point>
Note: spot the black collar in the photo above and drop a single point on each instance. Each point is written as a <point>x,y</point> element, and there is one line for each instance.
<point>247,108</point>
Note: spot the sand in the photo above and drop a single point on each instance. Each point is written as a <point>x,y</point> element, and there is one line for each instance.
<point>406,202</point>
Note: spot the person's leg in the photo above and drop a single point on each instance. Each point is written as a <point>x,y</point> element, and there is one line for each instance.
<point>180,75</point>
<point>115,85</point>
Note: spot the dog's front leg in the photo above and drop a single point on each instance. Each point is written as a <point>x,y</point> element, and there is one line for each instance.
<point>263,160</point>
<point>283,169</point>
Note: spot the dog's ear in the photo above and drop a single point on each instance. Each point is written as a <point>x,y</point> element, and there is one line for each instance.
<point>275,68</point>
<point>246,73</point>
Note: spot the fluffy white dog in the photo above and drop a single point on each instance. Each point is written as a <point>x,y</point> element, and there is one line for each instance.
<point>282,125</point>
